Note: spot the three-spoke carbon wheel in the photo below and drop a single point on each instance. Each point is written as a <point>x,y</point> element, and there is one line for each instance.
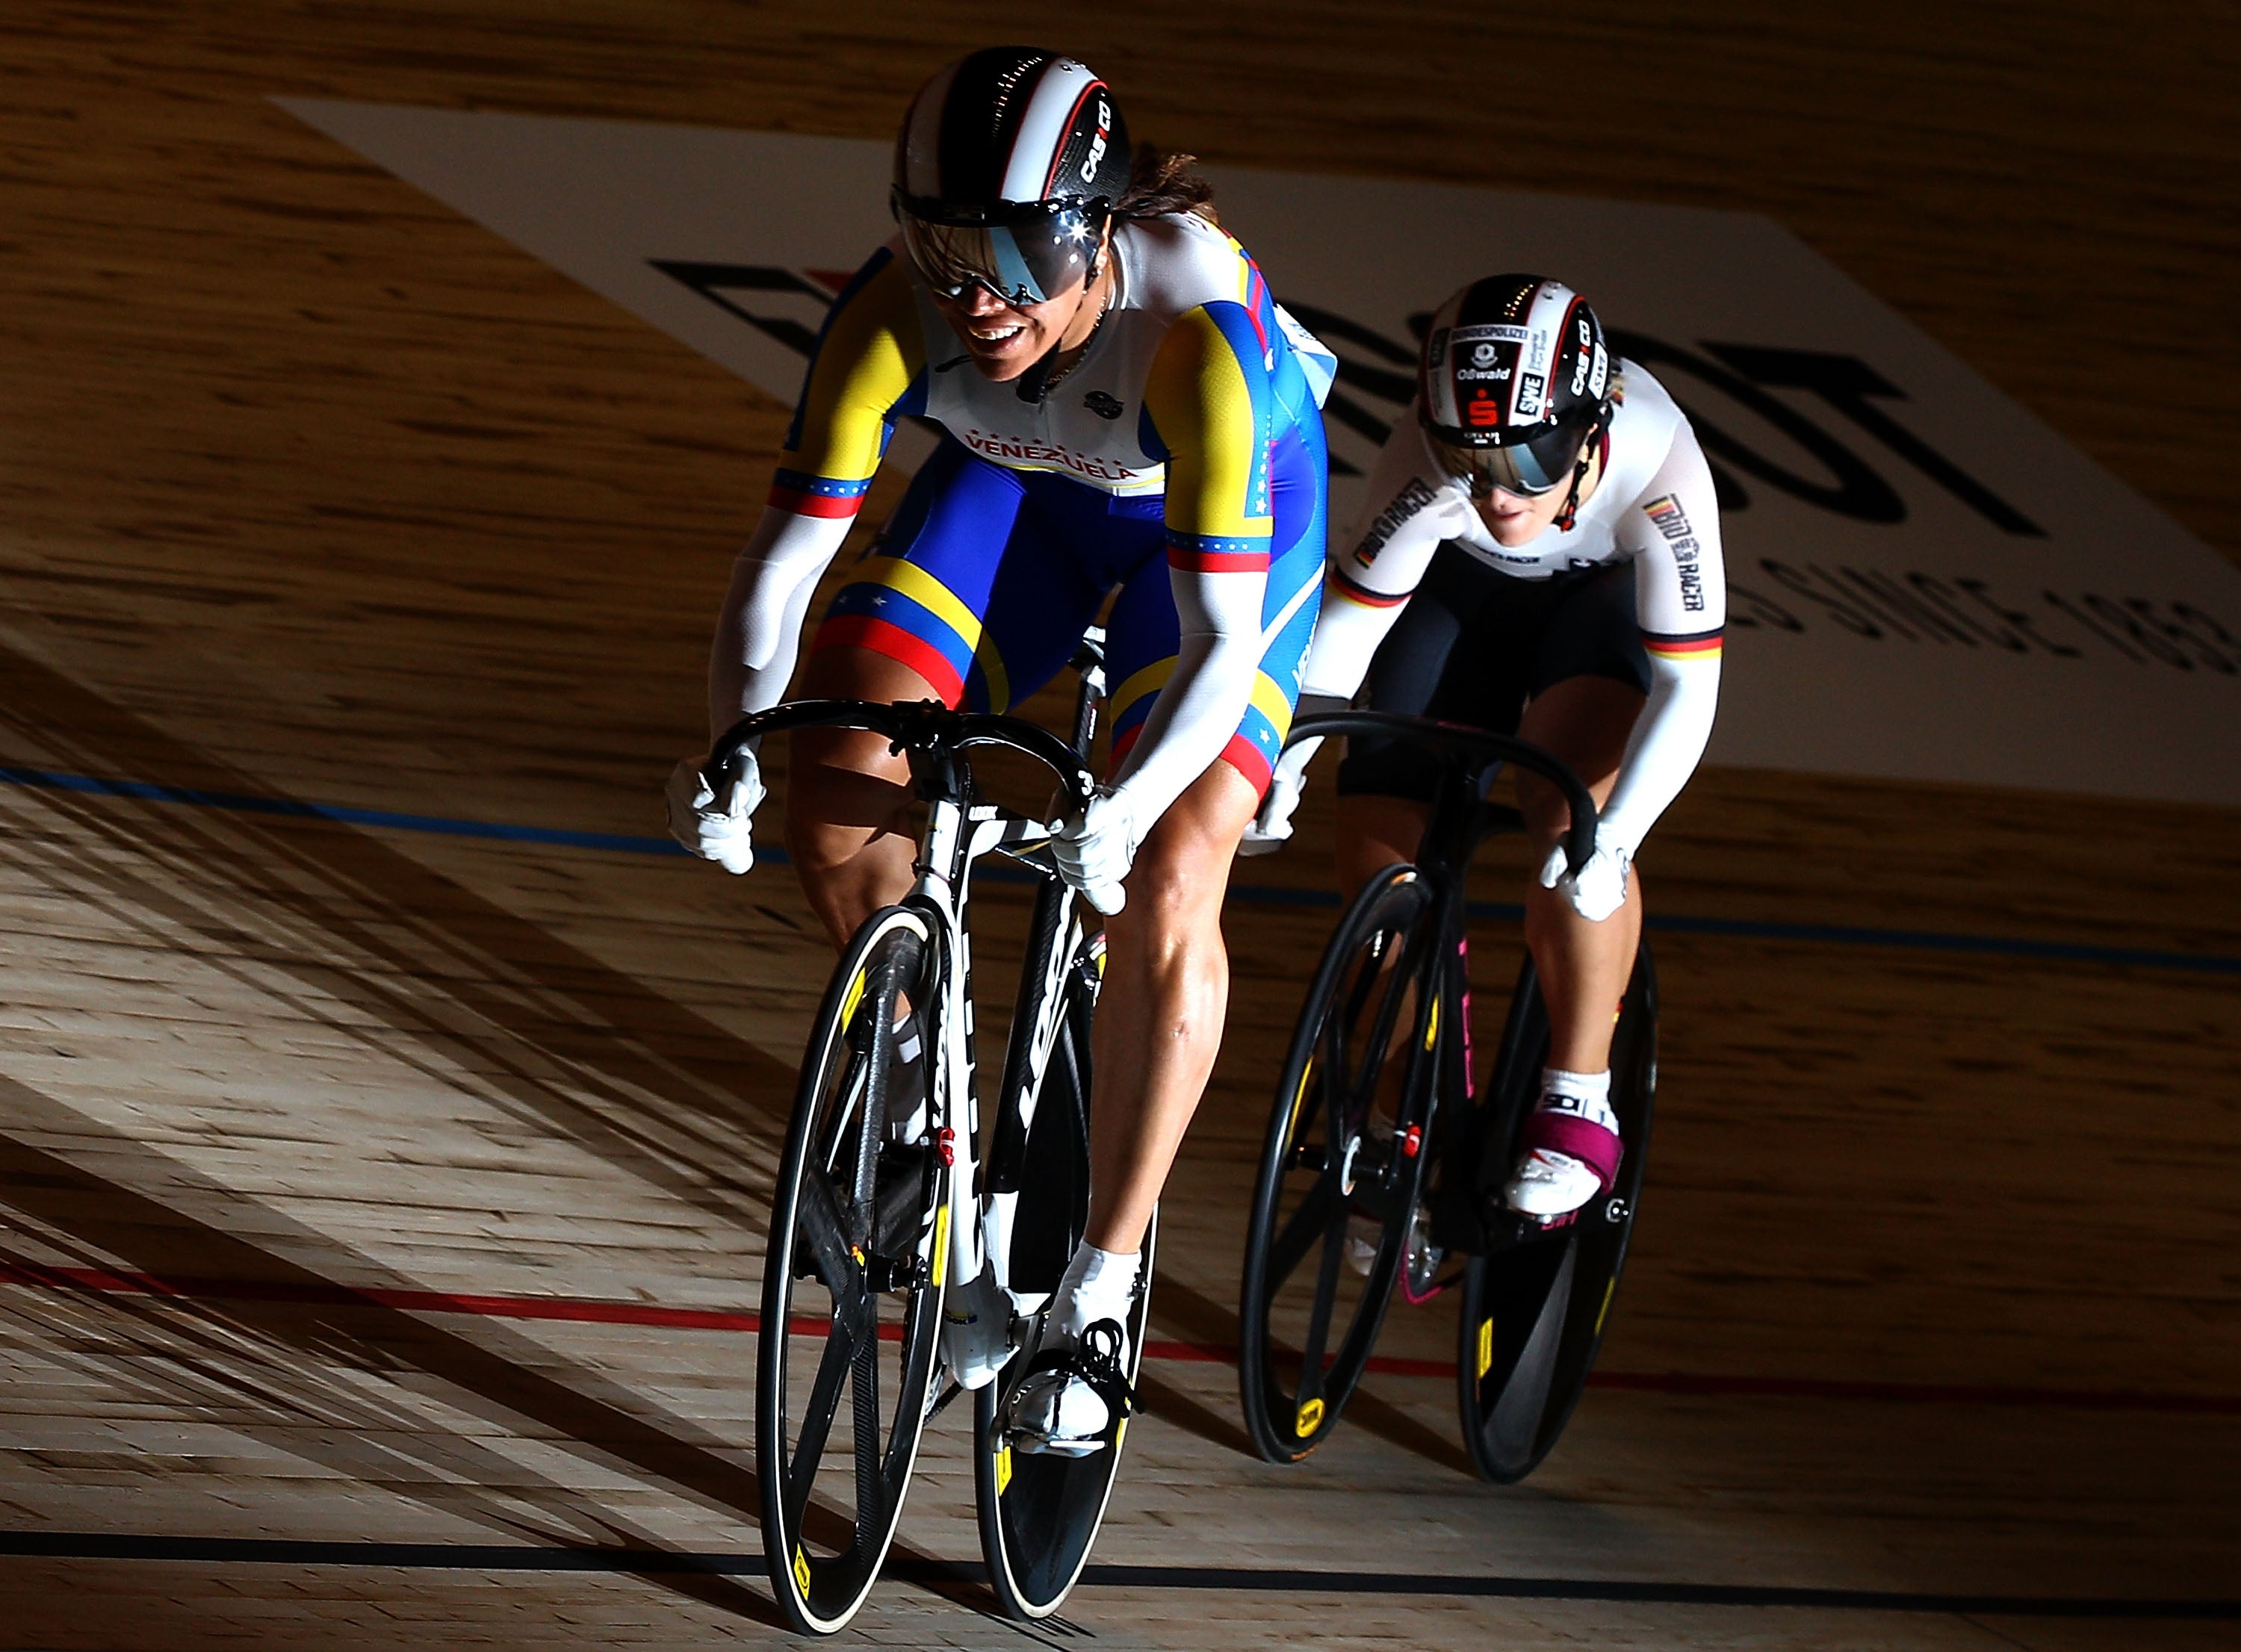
<point>1536,1304</point>
<point>851,1287</point>
<point>1342,1168</point>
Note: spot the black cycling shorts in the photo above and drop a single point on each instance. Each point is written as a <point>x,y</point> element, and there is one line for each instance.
<point>1474,645</point>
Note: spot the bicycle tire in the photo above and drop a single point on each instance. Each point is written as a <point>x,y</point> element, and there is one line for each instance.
<point>1536,1304</point>
<point>1337,1163</point>
<point>858,1250</point>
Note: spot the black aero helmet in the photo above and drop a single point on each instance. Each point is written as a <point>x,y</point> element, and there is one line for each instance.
<point>1007,170</point>
<point>1515,378</point>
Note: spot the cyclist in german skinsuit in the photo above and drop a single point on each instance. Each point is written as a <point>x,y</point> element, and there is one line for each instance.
<point>1124,410</point>
<point>1540,553</point>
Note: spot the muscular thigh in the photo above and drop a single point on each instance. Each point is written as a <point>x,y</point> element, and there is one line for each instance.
<point>907,626</point>
<point>1459,652</point>
<point>1590,679</point>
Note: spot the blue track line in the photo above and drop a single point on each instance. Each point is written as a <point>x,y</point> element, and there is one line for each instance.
<point>1926,940</point>
<point>236,803</point>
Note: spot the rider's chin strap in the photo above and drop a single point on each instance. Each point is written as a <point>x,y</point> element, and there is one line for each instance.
<point>1595,450</point>
<point>1036,383</point>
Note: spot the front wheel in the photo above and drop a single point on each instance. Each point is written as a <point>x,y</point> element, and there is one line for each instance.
<point>852,1285</point>
<point>1341,1167</point>
<point>1536,1304</point>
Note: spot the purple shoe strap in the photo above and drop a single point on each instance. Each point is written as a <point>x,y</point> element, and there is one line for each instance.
<point>1592,1146</point>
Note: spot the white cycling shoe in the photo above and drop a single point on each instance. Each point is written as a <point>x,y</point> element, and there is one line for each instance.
<point>1075,1393</point>
<point>1570,1153</point>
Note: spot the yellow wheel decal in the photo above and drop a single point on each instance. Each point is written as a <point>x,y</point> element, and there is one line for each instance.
<point>801,1571</point>
<point>1485,1346</point>
<point>1432,1024</point>
<point>1300,1100</point>
<point>940,1244</point>
<point>1003,1469</point>
<point>1604,1310</point>
<point>1310,1419</point>
<point>848,1004</point>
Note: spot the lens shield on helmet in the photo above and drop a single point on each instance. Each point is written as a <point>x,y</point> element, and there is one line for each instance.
<point>1025,254</point>
<point>1530,467</point>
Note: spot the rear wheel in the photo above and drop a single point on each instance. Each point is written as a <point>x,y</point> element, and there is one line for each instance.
<point>1039,1511</point>
<point>1341,1167</point>
<point>1536,1304</point>
<point>852,1289</point>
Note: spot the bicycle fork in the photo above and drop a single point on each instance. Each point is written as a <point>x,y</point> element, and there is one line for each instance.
<point>975,1236</point>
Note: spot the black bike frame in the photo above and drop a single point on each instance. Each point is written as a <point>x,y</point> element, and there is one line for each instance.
<point>1460,819</point>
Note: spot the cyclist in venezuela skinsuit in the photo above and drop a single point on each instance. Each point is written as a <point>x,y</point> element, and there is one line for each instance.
<point>1540,553</point>
<point>1122,405</point>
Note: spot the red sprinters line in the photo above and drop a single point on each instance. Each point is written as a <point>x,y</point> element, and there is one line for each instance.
<point>589,1311</point>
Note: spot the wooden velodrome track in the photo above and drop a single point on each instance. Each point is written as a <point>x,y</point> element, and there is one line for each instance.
<point>374,1199</point>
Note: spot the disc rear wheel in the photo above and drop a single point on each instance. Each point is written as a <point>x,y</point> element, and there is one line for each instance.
<point>1039,1511</point>
<point>1535,1305</point>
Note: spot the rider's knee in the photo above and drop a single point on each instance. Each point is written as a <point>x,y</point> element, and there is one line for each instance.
<point>833,810</point>
<point>1548,817</point>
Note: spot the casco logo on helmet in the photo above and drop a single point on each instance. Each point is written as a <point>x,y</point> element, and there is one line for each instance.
<point>1481,355</point>
<point>1097,144</point>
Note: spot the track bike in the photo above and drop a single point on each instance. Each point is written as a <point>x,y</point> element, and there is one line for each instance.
<point>893,1195</point>
<point>1382,1161</point>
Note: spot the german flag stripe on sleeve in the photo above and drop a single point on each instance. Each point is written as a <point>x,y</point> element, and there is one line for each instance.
<point>1695,644</point>
<point>1354,591</point>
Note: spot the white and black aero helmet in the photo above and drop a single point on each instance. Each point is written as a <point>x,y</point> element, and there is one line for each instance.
<point>1515,378</point>
<point>1007,171</point>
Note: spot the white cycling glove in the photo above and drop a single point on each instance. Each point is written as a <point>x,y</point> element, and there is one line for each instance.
<point>716,822</point>
<point>1095,848</point>
<point>1271,828</point>
<point>1599,890</point>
